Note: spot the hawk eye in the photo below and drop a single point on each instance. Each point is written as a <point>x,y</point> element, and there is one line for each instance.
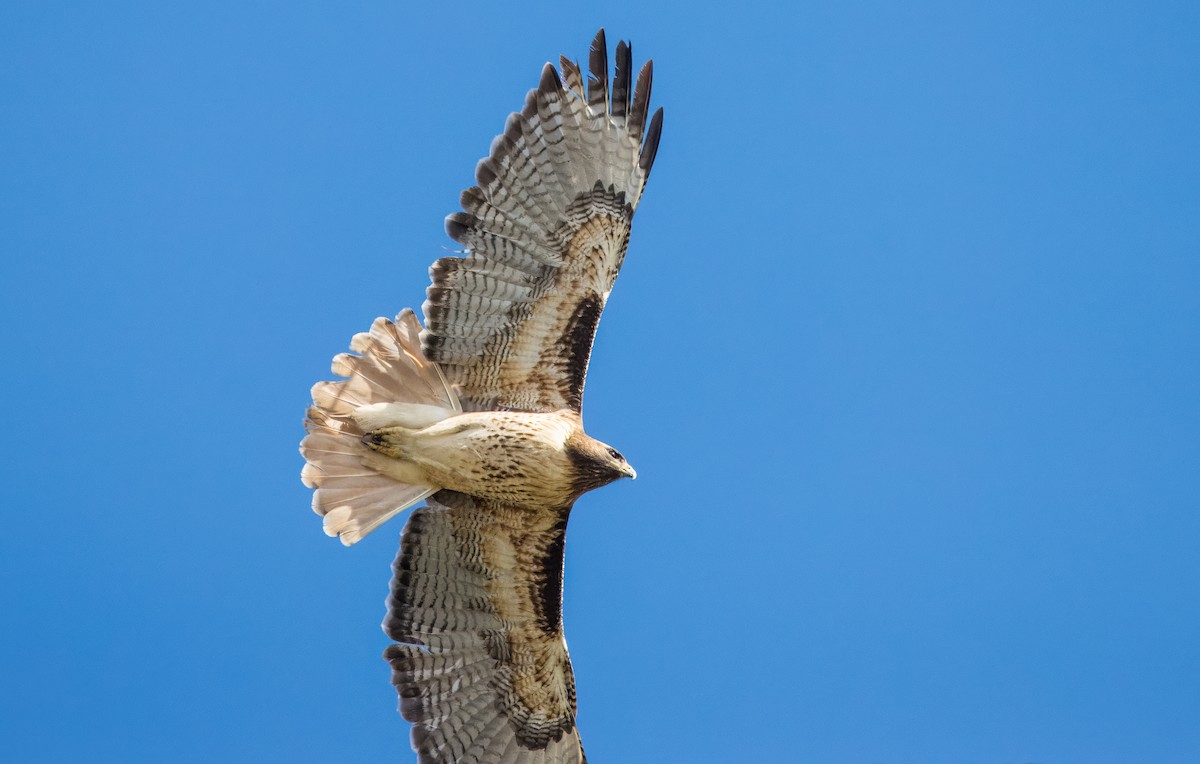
<point>614,453</point>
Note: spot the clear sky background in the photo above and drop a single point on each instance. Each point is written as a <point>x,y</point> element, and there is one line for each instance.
<point>906,351</point>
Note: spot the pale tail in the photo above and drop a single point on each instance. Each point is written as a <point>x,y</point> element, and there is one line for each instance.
<point>390,369</point>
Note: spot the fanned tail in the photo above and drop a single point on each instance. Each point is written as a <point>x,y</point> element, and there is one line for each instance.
<point>389,373</point>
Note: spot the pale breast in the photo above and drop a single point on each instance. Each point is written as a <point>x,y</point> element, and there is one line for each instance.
<point>514,457</point>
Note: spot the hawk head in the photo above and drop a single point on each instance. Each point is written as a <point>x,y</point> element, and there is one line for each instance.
<point>594,464</point>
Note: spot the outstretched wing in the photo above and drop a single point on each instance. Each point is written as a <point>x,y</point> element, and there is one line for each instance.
<point>546,231</point>
<point>482,668</point>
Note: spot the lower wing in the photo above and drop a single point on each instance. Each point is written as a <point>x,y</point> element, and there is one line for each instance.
<point>481,666</point>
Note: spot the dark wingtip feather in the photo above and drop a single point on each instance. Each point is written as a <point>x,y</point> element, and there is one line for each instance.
<point>599,43</point>
<point>597,86</point>
<point>650,147</point>
<point>458,225</point>
<point>641,99</point>
<point>621,80</point>
<point>471,199</point>
<point>442,269</point>
<point>436,299</point>
<point>484,174</point>
<point>550,82</point>
<point>514,124</point>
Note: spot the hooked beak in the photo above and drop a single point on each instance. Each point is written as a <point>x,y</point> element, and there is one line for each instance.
<point>630,472</point>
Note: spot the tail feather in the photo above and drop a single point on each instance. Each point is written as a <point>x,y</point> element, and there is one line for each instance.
<point>390,376</point>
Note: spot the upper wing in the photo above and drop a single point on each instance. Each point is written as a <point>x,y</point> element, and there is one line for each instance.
<point>546,231</point>
<point>482,669</point>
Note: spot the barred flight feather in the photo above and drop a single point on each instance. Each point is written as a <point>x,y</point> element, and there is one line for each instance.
<point>546,229</point>
<point>481,665</point>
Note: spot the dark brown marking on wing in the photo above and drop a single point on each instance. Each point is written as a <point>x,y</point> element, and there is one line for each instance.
<point>575,346</point>
<point>547,594</point>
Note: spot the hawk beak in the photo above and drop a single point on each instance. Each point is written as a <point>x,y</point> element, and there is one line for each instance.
<point>630,472</point>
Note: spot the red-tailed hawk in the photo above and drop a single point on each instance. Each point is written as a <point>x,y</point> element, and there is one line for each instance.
<point>480,414</point>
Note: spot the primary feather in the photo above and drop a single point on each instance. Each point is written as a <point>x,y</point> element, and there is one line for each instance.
<point>547,227</point>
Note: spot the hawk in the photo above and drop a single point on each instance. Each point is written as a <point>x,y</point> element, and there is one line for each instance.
<point>480,415</point>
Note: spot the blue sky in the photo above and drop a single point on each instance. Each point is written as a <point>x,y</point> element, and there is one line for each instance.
<point>906,352</point>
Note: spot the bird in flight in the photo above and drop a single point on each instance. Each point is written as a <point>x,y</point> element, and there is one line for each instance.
<point>479,414</point>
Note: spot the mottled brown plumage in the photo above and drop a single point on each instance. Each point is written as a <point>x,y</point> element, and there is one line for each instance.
<point>528,460</point>
<point>480,414</point>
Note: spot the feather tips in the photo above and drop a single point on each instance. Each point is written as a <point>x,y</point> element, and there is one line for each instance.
<point>598,75</point>
<point>620,92</point>
<point>650,147</point>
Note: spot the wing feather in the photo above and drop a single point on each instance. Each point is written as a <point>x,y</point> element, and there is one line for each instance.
<point>572,75</point>
<point>546,229</point>
<point>481,666</point>
<point>598,75</point>
<point>620,91</point>
<point>641,101</point>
